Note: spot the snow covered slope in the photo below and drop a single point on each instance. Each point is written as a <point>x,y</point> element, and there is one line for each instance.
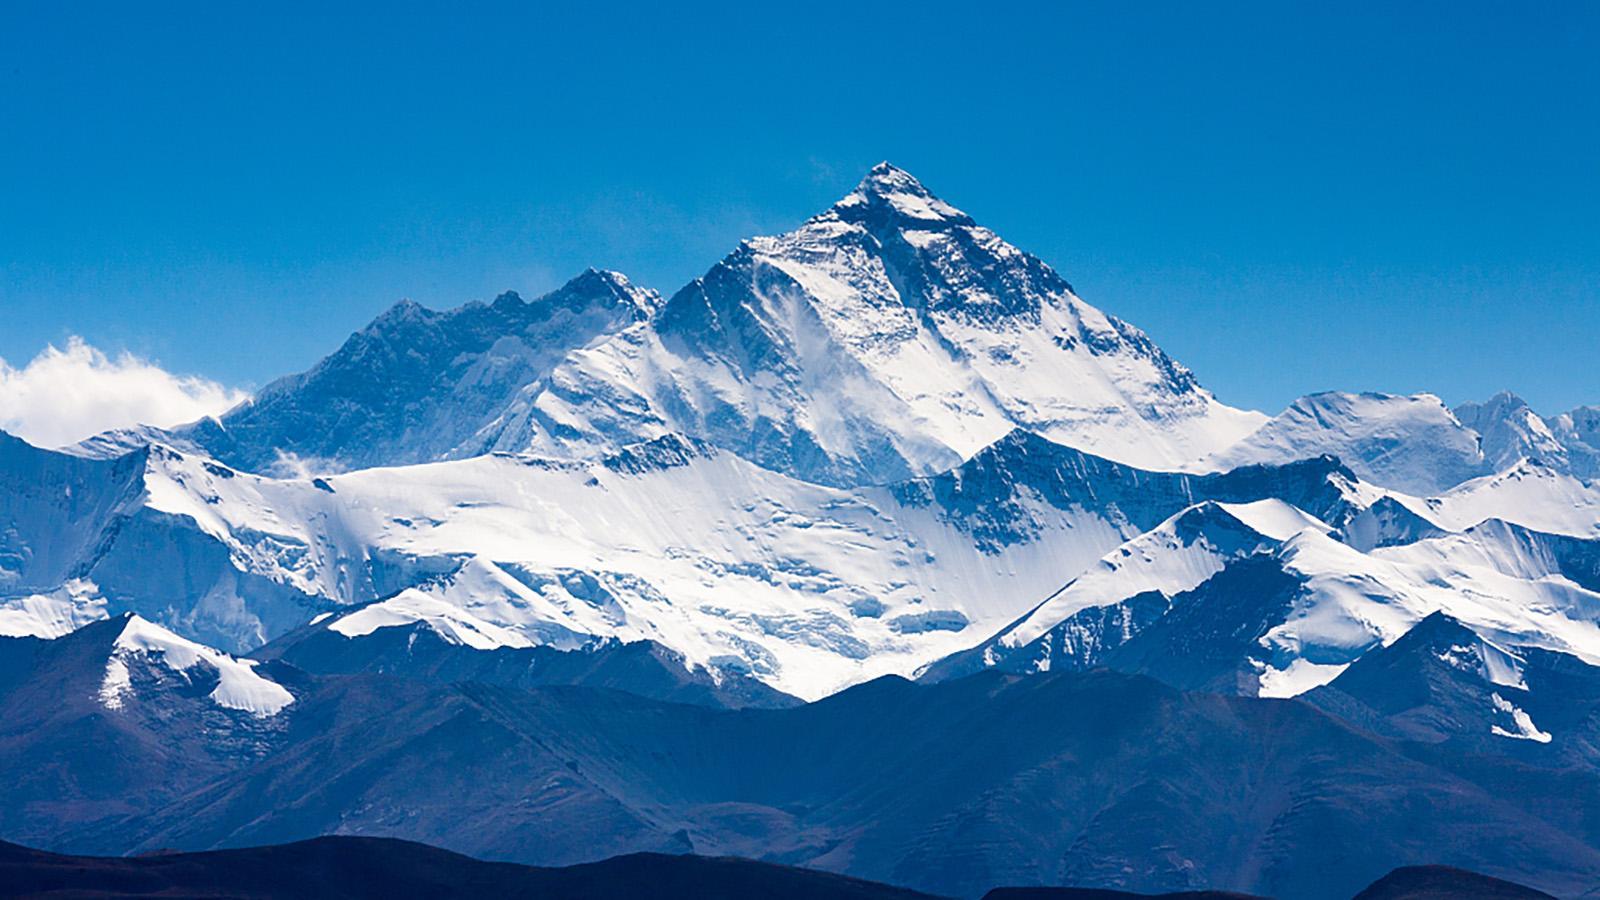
<point>1529,493</point>
<point>734,567</point>
<point>892,336</point>
<point>1412,444</point>
<point>234,683</point>
<point>418,385</point>
<point>1270,601</point>
<point>888,337</point>
<point>1417,445</point>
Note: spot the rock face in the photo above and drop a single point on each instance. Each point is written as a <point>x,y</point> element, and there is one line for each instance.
<point>1445,684</point>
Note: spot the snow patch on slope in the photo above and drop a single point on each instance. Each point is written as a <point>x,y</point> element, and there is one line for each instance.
<point>1412,444</point>
<point>1294,679</point>
<point>1175,556</point>
<point>239,686</point>
<point>1521,725</point>
<point>1529,493</point>
<point>450,622</point>
<point>53,614</point>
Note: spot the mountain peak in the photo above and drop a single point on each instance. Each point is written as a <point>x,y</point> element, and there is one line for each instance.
<point>613,288</point>
<point>1502,403</point>
<point>406,310</point>
<point>601,278</point>
<point>887,175</point>
<point>238,686</point>
<point>889,189</point>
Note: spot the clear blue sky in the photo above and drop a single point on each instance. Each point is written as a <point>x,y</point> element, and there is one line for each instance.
<point>1288,197</point>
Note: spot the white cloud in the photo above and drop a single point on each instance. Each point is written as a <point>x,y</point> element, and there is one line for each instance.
<point>64,396</point>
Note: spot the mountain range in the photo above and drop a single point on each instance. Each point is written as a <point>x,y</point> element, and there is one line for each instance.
<point>354,867</point>
<point>875,549</point>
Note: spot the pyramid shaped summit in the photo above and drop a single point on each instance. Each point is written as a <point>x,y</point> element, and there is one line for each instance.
<point>890,189</point>
<point>889,336</point>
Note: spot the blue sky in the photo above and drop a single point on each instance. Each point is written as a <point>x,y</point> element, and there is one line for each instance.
<point>1288,197</point>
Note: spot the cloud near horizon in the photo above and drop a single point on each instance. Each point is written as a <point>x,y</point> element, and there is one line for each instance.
<point>64,396</point>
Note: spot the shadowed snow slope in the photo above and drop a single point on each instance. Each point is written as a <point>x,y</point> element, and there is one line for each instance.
<point>417,385</point>
<point>1264,600</point>
<point>742,571</point>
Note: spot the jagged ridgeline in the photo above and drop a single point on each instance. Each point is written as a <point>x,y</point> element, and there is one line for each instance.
<point>886,442</point>
<point>602,572</point>
<point>888,337</point>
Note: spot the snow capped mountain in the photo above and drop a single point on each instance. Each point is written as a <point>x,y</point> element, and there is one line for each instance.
<point>886,443</point>
<point>893,336</point>
<point>736,570</point>
<point>1129,589</point>
<point>1445,682</point>
<point>1417,445</point>
<point>888,337</point>
<point>138,657</point>
<point>883,440</point>
<point>142,644</point>
<point>1579,432</point>
<point>1511,432</point>
<point>1412,444</point>
<point>739,570</point>
<point>419,385</point>
<point>1285,604</point>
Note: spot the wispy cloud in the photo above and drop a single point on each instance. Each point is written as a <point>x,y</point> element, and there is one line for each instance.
<point>63,396</point>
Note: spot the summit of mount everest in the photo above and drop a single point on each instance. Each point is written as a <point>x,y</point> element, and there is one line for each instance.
<point>889,337</point>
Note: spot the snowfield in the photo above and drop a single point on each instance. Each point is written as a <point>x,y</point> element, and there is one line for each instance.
<point>886,442</point>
